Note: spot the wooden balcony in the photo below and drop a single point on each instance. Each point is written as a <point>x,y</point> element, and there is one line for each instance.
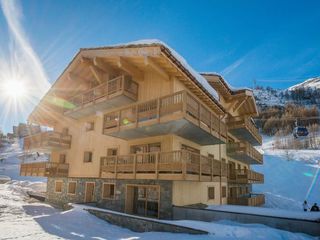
<point>244,129</point>
<point>175,165</point>
<point>44,169</point>
<point>47,141</point>
<point>116,92</point>
<point>245,152</point>
<point>178,113</point>
<point>244,176</point>
<point>250,200</point>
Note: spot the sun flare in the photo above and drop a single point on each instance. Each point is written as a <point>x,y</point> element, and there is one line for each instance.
<point>14,89</point>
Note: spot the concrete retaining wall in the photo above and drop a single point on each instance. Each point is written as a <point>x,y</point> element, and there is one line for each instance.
<point>137,224</point>
<point>293,225</point>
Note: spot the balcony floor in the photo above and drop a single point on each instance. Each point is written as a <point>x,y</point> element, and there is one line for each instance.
<point>100,104</point>
<point>181,127</point>
<point>245,135</point>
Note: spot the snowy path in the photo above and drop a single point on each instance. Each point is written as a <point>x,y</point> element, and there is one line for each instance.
<point>22,218</point>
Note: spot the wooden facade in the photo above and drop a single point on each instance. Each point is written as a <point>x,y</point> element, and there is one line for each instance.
<point>137,113</point>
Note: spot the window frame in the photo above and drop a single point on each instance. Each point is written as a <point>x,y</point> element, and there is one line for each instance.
<point>214,194</point>
<point>55,186</point>
<point>91,124</point>
<point>75,188</point>
<point>84,156</point>
<point>103,191</point>
<point>224,191</point>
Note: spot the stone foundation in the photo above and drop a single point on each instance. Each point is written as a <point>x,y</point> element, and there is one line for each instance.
<point>116,204</point>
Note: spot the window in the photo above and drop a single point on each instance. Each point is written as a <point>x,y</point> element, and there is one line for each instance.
<point>210,193</point>
<point>224,191</point>
<point>87,157</point>
<point>58,186</point>
<point>72,187</point>
<point>62,158</point>
<point>65,131</point>
<point>112,152</point>
<point>108,191</point>
<point>211,156</point>
<point>89,126</point>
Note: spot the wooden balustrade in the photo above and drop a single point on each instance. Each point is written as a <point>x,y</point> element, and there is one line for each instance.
<point>44,169</point>
<point>121,85</point>
<point>244,176</point>
<point>250,200</point>
<point>244,129</point>
<point>174,165</point>
<point>244,151</point>
<point>174,107</point>
<point>47,140</point>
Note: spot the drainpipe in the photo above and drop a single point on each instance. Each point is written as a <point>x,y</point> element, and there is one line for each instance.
<point>220,158</point>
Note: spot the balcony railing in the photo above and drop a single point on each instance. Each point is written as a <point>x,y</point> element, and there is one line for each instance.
<point>244,176</point>
<point>169,114</point>
<point>244,129</point>
<point>174,165</point>
<point>250,200</point>
<point>121,89</point>
<point>44,169</point>
<point>47,141</point>
<point>244,151</point>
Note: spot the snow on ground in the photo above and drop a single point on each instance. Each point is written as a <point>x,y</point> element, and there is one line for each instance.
<point>23,218</point>
<point>11,155</point>
<point>290,177</point>
<point>267,212</point>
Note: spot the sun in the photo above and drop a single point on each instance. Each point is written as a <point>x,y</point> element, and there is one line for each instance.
<point>14,89</point>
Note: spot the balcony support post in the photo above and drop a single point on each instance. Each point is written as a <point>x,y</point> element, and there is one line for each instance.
<point>134,166</point>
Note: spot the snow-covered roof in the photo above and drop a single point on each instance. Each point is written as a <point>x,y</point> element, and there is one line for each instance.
<point>232,88</point>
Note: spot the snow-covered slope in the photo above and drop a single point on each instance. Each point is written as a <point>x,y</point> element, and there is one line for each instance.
<point>309,83</point>
<point>269,97</point>
<point>290,177</point>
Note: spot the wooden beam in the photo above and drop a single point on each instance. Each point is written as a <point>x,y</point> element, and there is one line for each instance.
<point>148,62</point>
<point>239,104</point>
<point>129,68</point>
<point>98,74</point>
<point>98,62</point>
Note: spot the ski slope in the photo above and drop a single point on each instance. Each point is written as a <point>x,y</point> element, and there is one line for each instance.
<point>290,177</point>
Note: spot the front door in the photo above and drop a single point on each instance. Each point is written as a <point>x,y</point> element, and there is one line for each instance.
<point>89,193</point>
<point>143,200</point>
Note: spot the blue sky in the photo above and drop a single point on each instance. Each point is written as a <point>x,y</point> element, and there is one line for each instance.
<point>274,42</point>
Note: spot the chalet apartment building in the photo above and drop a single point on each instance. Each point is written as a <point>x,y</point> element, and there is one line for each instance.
<point>137,130</point>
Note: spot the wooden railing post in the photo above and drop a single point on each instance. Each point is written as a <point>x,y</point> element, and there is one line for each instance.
<point>115,167</point>
<point>200,167</point>
<point>157,164</point>
<point>134,166</point>
<point>158,109</point>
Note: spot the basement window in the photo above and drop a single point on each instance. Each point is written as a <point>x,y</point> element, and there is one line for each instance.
<point>72,187</point>
<point>58,186</point>
<point>224,191</point>
<point>87,157</point>
<point>210,193</point>
<point>108,191</point>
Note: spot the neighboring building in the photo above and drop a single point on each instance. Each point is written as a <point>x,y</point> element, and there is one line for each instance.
<point>23,130</point>
<point>138,130</point>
